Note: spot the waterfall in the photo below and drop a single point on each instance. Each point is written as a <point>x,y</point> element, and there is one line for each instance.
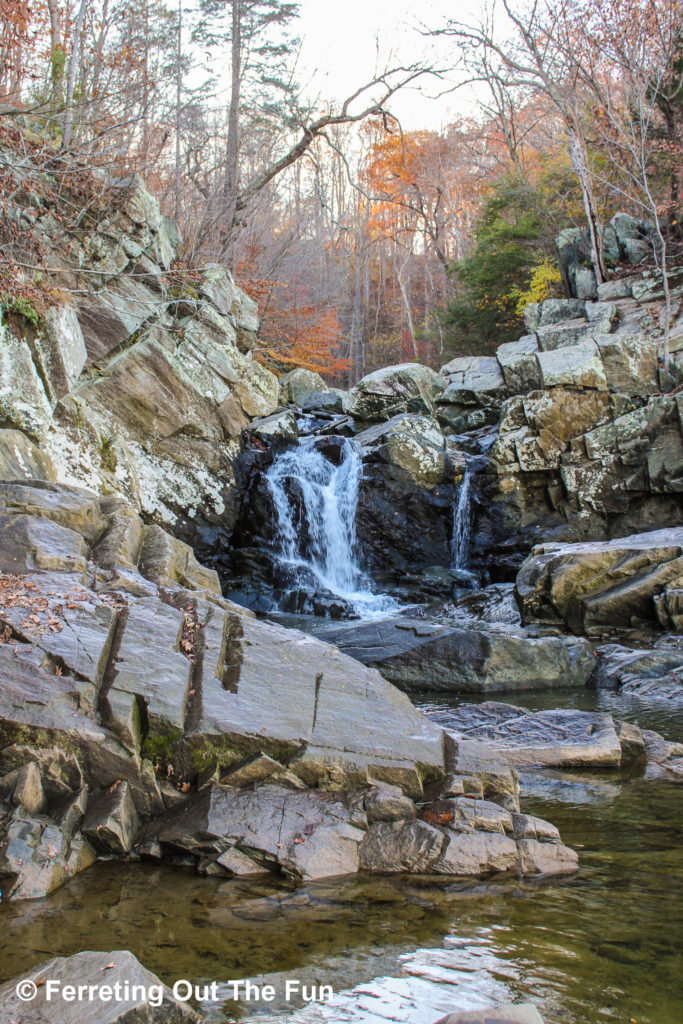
<point>462,523</point>
<point>315,539</point>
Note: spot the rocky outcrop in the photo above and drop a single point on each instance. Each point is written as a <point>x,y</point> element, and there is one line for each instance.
<point>144,382</point>
<point>410,387</point>
<point>519,1013</point>
<point>142,714</point>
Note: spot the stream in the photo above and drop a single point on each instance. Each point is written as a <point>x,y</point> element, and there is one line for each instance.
<point>604,945</point>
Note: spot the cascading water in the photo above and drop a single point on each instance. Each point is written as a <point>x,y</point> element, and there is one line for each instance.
<point>315,505</point>
<point>462,522</point>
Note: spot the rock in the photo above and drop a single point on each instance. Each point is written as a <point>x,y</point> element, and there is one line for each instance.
<point>20,458</point>
<point>555,311</point>
<point>546,858</point>
<point>632,742</point>
<point>281,427</point>
<point>329,401</point>
<point>62,349</point>
<point>408,387</point>
<point>574,366</point>
<point>651,673</point>
<point>167,560</point>
<point>110,973</point>
<point>519,364</point>
<point>308,834</point>
<point>664,758</point>
<point>391,847</point>
<point>478,854</point>
<point>252,771</point>
<point>111,821</point>
<point>632,237</point>
<point>30,543</point>
<point>620,288</point>
<point>298,385</point>
<point>520,1013</point>
<point>566,334</point>
<point>419,654</point>
<point>36,857</point>
<point>651,289</point>
<point>585,283</point>
<point>469,376</point>
<point>72,507</point>
<point>28,792</point>
<point>629,362</point>
<point>387,803</point>
<point>25,404</point>
<point>594,585</point>
<point>563,737</point>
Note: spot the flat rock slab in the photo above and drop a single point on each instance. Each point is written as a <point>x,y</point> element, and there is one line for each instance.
<point>98,969</point>
<point>559,738</point>
<point>425,654</point>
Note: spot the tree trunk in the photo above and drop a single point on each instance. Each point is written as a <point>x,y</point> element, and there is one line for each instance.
<point>579,160</point>
<point>231,179</point>
<point>178,102</point>
<point>73,67</point>
<point>56,57</point>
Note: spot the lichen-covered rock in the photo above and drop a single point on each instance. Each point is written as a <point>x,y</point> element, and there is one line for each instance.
<point>298,385</point>
<point>409,387</point>
<point>573,366</point>
<point>20,458</point>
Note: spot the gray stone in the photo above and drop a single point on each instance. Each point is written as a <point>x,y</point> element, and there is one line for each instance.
<point>419,654</point>
<point>553,738</point>
<point>577,366</point>
<point>298,385</point>
<point>111,821</point>
<point>477,854</point>
<point>36,857</point>
<point>408,387</point>
<point>585,283</point>
<point>28,792</point>
<point>472,376</point>
<point>519,364</point>
<point>20,458</point>
<point>27,543</point>
<point>391,847</point>
<point>629,362</point>
<point>119,968</point>
<point>546,858</point>
<point>555,311</point>
<point>387,803</point>
<point>280,427</point>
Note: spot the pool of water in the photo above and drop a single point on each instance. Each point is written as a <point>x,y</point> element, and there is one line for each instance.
<point>602,946</point>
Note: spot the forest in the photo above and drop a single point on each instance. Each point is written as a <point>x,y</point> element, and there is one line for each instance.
<point>365,243</point>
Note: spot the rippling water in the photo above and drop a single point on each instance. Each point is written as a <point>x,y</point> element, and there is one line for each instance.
<point>603,946</point>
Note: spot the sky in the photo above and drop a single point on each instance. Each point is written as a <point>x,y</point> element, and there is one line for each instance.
<point>341,40</point>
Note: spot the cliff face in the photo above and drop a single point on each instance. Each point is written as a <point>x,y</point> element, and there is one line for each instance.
<point>141,381</point>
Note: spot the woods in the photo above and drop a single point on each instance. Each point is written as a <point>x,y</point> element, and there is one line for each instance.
<point>366,242</point>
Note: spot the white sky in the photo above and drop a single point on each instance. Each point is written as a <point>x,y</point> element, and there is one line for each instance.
<point>341,40</point>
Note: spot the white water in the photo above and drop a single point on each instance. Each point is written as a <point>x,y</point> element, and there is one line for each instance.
<point>325,544</point>
<point>462,523</point>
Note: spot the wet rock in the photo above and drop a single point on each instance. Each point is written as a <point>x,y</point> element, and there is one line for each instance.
<point>477,854</point>
<point>651,673</point>
<point>664,758</point>
<point>632,742</point>
<point>436,655</point>
<point>281,428</point>
<point>36,856</point>
<point>520,1013</point>
<point>562,737</point>
<point>116,969</point>
<point>546,858</point>
<point>308,834</point>
<point>599,584</point>
<point>111,821</point>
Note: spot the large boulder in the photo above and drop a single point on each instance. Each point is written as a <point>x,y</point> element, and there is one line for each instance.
<point>298,385</point>
<point>409,387</point>
<point>443,656</point>
<point>595,585</point>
